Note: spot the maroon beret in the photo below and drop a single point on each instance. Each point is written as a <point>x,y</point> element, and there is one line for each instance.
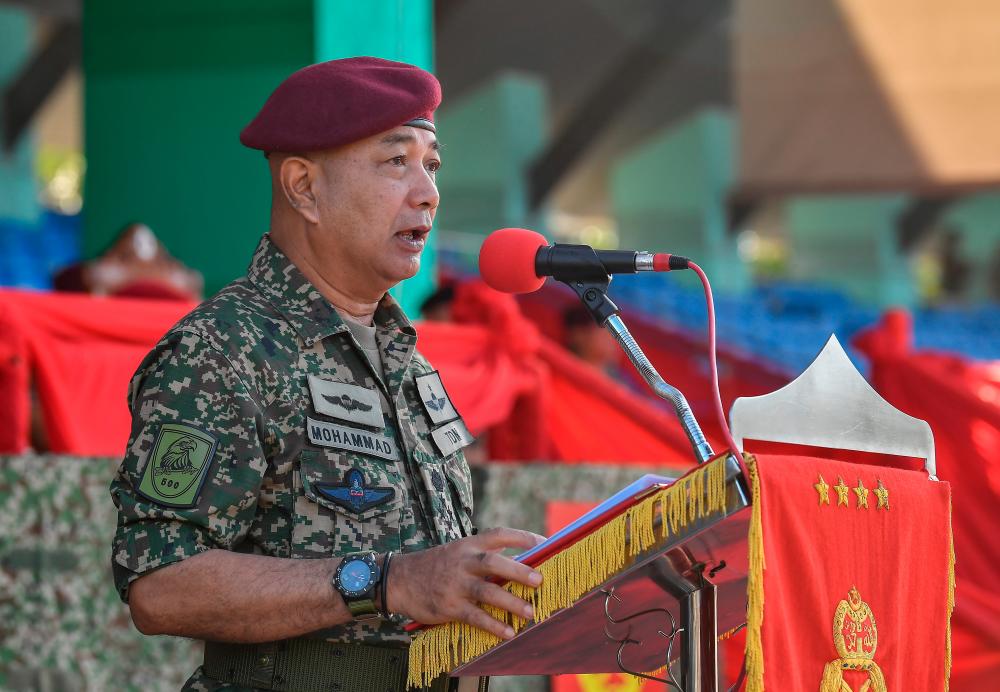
<point>342,101</point>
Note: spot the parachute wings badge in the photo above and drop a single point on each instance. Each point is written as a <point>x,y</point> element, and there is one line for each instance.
<point>348,403</point>
<point>855,637</point>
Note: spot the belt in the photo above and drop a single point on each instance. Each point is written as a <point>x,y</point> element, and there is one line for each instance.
<point>314,665</point>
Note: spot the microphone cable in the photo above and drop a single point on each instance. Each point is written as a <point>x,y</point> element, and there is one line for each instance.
<point>713,363</point>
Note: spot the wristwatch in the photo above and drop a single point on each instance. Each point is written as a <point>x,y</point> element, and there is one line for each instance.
<point>356,578</point>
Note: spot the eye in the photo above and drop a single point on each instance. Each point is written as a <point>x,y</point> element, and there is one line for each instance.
<point>433,166</point>
<point>398,160</point>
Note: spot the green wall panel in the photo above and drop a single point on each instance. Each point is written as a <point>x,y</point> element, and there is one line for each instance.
<point>393,29</point>
<point>978,220</point>
<point>168,88</point>
<point>489,139</point>
<point>18,189</point>
<point>669,195</point>
<point>850,242</point>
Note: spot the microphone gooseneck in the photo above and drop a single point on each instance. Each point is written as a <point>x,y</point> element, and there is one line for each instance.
<point>669,393</point>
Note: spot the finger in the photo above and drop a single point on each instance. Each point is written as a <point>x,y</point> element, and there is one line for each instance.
<point>502,537</point>
<point>491,594</point>
<point>501,567</point>
<point>477,617</point>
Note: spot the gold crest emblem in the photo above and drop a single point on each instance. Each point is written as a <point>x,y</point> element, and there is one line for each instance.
<point>855,637</point>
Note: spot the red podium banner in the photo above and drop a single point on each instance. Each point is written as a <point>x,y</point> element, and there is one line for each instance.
<point>851,577</point>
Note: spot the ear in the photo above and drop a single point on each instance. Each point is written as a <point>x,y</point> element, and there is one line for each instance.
<point>297,175</point>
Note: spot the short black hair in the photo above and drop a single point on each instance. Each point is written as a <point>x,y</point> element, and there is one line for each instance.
<point>439,298</point>
<point>577,315</point>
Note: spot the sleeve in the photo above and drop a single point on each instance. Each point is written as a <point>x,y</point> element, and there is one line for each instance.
<point>194,462</point>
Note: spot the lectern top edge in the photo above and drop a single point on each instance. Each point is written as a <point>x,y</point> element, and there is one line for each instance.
<point>832,405</point>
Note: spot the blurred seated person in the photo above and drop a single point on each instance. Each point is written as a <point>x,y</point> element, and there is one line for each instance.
<point>954,267</point>
<point>136,265</point>
<point>596,346</point>
<point>589,342</point>
<point>437,306</point>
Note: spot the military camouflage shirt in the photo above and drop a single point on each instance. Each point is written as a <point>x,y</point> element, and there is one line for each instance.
<point>260,426</point>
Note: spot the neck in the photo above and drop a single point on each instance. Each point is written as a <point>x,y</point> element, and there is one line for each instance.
<point>367,319</point>
<point>350,304</point>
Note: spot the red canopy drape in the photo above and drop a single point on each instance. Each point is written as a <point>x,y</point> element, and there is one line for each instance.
<point>80,352</point>
<point>960,399</point>
<point>679,355</point>
<point>544,402</point>
<point>537,401</point>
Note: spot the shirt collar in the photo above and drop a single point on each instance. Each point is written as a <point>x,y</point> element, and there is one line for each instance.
<point>307,311</point>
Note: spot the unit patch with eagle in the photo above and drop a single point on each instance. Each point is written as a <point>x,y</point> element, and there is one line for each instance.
<point>177,466</point>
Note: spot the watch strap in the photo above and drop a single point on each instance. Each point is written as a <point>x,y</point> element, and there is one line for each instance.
<point>362,608</point>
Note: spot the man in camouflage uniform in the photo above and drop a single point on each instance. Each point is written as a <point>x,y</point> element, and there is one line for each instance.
<point>291,417</point>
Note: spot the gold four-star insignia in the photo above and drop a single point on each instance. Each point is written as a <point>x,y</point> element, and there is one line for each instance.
<point>883,496</point>
<point>862,493</point>
<point>841,489</point>
<point>823,488</point>
<point>843,493</point>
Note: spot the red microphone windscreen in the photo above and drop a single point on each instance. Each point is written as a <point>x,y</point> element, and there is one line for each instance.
<point>507,260</point>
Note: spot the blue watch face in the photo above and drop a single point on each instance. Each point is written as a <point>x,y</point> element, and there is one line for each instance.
<point>355,576</point>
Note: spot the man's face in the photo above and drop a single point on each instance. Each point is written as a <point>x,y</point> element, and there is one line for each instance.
<point>375,200</point>
<point>593,344</point>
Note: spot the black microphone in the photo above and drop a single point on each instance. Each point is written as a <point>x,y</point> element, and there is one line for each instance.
<point>516,260</point>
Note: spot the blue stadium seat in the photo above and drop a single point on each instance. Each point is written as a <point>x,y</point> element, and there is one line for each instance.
<point>31,253</point>
<point>787,323</point>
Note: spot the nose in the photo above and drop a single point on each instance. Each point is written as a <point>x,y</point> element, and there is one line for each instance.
<point>424,193</point>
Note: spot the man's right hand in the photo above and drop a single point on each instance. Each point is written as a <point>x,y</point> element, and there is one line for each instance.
<point>450,582</point>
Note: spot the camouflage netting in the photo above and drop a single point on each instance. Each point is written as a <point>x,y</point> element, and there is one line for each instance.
<point>62,626</point>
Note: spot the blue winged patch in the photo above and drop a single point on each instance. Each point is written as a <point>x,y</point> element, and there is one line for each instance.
<point>352,493</point>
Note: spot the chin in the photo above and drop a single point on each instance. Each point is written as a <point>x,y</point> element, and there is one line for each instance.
<point>413,267</point>
<point>404,271</point>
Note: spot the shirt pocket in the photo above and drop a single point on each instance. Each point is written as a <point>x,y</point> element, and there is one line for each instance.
<point>456,470</point>
<point>348,503</point>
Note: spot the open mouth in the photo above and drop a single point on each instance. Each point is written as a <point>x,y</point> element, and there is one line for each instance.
<point>414,237</point>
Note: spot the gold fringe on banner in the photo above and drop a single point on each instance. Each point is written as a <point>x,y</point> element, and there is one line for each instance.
<point>755,584</point>
<point>575,571</point>
<point>951,601</point>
